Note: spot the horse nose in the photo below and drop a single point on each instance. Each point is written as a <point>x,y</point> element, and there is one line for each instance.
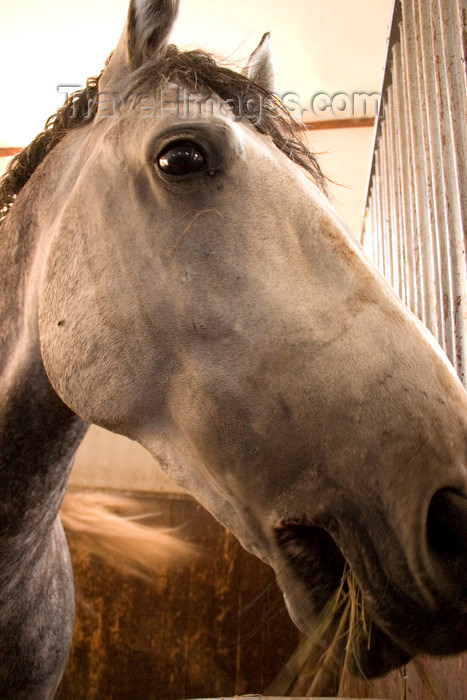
<point>447,535</point>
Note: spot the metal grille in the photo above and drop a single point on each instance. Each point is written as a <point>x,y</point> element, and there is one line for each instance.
<point>415,221</point>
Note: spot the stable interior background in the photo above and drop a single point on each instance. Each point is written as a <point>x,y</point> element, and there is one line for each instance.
<point>216,629</point>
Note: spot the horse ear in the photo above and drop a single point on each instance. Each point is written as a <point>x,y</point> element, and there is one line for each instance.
<point>148,28</point>
<point>260,66</point>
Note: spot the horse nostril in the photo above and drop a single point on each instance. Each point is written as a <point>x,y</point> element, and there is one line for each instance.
<point>447,531</point>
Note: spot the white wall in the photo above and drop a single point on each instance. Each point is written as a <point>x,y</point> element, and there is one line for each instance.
<point>333,46</point>
<point>344,155</point>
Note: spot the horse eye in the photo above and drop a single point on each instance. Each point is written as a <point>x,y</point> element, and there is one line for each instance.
<point>181,159</point>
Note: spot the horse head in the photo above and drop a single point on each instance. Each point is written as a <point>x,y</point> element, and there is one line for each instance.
<point>198,293</point>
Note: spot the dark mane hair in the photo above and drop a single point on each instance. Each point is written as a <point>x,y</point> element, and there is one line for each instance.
<point>72,114</point>
<point>197,72</point>
<point>200,73</point>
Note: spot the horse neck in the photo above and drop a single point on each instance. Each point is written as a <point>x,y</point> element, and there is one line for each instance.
<point>38,433</point>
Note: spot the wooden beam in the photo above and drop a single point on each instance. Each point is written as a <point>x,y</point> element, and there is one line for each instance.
<point>309,125</point>
<point>343,123</point>
<point>9,151</point>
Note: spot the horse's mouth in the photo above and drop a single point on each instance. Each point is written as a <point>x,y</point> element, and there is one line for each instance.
<point>319,567</point>
<point>315,558</point>
<point>409,611</point>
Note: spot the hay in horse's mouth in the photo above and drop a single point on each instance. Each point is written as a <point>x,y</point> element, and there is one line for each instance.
<point>317,562</point>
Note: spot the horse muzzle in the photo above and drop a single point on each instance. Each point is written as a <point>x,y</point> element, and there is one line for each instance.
<point>411,607</point>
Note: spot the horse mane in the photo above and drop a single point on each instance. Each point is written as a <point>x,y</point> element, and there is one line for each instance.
<point>197,71</point>
<point>78,109</point>
<point>200,73</point>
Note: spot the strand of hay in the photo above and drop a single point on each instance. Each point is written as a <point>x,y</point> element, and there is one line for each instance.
<point>320,664</point>
<point>332,675</point>
<point>105,525</point>
<point>313,669</point>
<point>307,656</point>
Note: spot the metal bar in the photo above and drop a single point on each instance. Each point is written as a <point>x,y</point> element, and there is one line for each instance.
<point>419,167</point>
<point>429,230</point>
<point>433,149</point>
<point>393,38</point>
<point>386,200</point>
<point>380,216</point>
<point>404,178</point>
<point>451,97</point>
<point>454,44</point>
<point>449,177</point>
<point>415,179</point>
<point>417,191</point>
<point>395,214</point>
<point>375,251</point>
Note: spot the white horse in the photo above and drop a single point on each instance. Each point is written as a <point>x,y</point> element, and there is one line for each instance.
<point>178,276</point>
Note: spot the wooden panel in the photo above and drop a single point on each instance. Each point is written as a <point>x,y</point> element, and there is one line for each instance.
<point>217,626</point>
<point>427,679</point>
